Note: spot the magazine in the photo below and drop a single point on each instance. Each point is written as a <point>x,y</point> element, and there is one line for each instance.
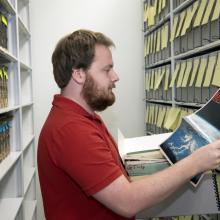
<point>196,130</point>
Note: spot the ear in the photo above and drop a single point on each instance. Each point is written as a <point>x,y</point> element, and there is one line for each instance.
<point>78,75</point>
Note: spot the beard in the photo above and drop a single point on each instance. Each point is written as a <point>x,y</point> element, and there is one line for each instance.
<point>98,99</point>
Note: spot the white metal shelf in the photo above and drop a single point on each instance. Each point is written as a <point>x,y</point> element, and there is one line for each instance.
<point>23,30</point>
<point>28,104</point>
<point>9,109</point>
<point>18,169</point>
<point>29,209</point>
<point>8,6</point>
<point>8,162</point>
<point>28,176</point>
<point>25,67</point>
<point>9,208</point>
<point>6,56</point>
<point>25,2</point>
<point>27,142</point>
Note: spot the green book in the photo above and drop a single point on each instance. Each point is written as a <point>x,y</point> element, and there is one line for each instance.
<point>145,162</point>
<point>140,168</point>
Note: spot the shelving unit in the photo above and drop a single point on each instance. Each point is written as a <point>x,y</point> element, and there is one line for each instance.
<point>18,169</point>
<point>174,87</point>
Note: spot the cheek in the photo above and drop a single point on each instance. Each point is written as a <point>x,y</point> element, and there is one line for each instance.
<point>103,83</point>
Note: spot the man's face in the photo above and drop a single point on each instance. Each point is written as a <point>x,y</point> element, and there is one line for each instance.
<point>100,80</point>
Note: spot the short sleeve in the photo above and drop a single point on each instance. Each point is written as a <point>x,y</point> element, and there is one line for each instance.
<point>81,152</point>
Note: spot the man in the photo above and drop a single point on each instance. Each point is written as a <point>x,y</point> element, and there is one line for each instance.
<point>80,171</point>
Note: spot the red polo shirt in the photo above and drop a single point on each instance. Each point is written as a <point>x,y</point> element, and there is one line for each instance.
<point>77,158</point>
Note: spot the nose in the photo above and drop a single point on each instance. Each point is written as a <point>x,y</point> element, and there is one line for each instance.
<point>114,77</point>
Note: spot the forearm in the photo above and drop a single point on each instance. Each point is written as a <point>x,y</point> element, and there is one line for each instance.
<point>128,199</point>
<point>152,189</point>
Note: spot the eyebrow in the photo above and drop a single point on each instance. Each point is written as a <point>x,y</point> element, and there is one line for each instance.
<point>109,66</point>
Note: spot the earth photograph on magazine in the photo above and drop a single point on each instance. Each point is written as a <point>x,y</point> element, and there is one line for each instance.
<point>196,130</point>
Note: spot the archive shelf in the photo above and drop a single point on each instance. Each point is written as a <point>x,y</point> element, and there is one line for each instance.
<point>203,49</point>
<point>158,101</point>
<point>193,105</point>
<point>185,4</point>
<point>194,34</point>
<point>18,168</point>
<point>159,24</point>
<point>159,63</point>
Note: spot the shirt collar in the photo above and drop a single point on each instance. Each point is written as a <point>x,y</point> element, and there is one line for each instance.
<point>69,105</point>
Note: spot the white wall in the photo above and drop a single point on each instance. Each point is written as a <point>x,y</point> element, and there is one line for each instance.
<point>118,19</point>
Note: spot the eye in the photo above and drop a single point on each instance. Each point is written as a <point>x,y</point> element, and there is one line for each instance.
<point>107,70</point>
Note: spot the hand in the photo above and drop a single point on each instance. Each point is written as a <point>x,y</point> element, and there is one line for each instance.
<point>207,157</point>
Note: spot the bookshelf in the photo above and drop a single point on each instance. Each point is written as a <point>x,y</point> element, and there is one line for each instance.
<point>18,168</point>
<point>182,55</point>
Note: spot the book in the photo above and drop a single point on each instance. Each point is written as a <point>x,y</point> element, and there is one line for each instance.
<point>195,131</point>
<point>145,162</point>
<point>5,121</point>
<point>142,168</point>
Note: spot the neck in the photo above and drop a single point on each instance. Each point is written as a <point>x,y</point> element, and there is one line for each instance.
<point>79,100</point>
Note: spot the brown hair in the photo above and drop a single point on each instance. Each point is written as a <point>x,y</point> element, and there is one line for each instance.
<point>76,50</point>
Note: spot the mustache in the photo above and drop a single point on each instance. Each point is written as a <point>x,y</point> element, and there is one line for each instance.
<point>112,86</point>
